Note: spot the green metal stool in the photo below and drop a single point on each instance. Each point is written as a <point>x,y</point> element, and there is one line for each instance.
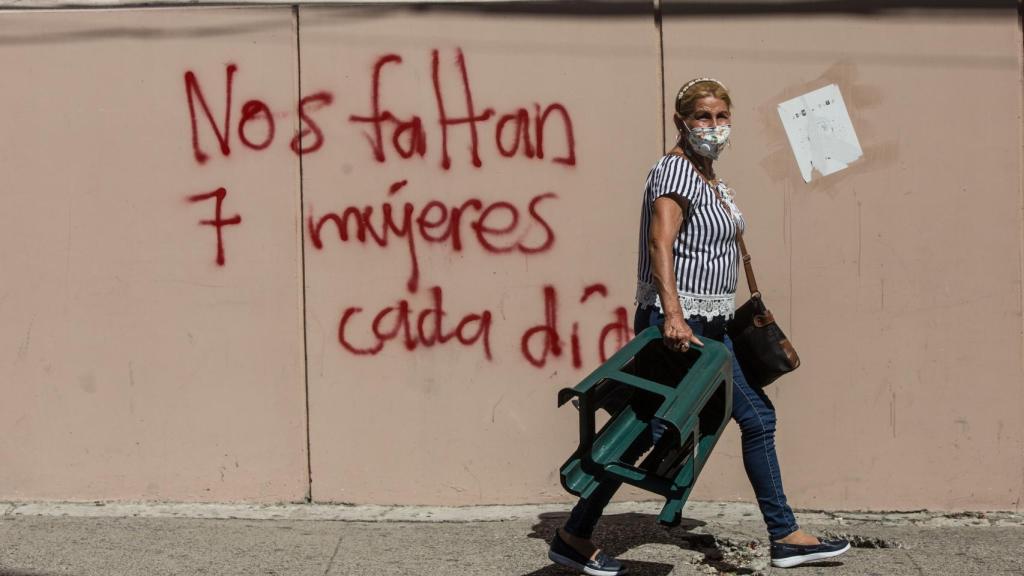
<point>690,392</point>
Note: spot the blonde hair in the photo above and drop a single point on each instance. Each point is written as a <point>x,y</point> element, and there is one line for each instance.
<point>697,89</point>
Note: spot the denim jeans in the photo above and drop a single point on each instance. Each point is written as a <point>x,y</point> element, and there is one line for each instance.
<point>754,413</point>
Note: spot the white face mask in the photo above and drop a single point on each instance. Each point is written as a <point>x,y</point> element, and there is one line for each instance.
<point>708,142</point>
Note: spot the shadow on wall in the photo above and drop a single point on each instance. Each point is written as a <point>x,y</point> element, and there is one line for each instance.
<point>568,8</point>
<point>727,7</point>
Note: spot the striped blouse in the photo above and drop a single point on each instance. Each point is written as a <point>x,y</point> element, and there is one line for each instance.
<point>705,252</point>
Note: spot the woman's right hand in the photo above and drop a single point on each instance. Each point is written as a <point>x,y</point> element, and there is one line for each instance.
<point>677,333</point>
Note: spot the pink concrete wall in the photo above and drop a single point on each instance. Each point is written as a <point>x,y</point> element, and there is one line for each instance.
<point>469,421</point>
<point>898,279</point>
<point>135,366</point>
<point>139,367</point>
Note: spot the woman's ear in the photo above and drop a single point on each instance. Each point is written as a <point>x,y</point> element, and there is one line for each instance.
<point>680,124</point>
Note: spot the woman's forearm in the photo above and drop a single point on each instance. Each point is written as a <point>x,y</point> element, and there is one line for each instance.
<point>666,225</point>
<point>665,228</point>
<point>664,277</point>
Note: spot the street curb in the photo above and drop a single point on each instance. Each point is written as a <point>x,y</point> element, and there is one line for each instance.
<point>328,512</point>
<point>708,511</point>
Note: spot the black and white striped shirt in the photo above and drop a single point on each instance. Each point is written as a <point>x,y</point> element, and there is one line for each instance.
<point>705,252</point>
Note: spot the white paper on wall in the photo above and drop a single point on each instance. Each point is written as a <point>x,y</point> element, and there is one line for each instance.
<point>820,132</point>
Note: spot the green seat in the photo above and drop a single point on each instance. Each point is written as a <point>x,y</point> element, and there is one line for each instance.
<point>690,392</point>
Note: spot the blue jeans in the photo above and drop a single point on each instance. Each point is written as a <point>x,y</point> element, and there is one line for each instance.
<point>751,409</point>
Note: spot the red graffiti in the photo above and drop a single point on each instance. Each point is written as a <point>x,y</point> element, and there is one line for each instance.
<point>253,111</point>
<point>416,139</point>
<point>619,328</point>
<point>514,134</point>
<point>471,117</point>
<point>495,226</point>
<point>425,328</point>
<point>456,128</point>
<point>522,135</point>
<point>222,133</point>
<point>542,117</point>
<point>218,221</point>
<point>547,337</point>
<point>548,332</point>
<point>408,135</point>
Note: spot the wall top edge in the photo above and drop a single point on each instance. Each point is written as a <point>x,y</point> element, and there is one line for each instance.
<point>593,7</point>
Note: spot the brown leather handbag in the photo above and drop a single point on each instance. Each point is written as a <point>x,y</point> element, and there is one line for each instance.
<point>761,348</point>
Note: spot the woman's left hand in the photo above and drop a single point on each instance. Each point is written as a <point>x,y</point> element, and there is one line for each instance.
<point>677,333</point>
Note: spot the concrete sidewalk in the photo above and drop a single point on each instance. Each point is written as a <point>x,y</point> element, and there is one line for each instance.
<point>322,540</point>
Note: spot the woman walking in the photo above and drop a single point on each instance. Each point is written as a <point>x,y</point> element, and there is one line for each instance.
<point>686,283</point>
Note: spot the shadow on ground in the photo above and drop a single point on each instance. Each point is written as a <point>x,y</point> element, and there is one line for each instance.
<point>620,533</point>
<point>635,569</point>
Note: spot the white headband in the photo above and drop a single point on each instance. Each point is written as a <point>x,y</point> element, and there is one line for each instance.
<point>691,83</point>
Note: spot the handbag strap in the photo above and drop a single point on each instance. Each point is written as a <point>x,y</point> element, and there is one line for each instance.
<point>747,266</point>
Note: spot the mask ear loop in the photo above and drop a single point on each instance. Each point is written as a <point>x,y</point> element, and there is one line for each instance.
<point>682,139</point>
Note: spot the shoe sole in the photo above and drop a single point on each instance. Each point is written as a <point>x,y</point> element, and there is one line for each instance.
<point>569,562</point>
<point>798,560</point>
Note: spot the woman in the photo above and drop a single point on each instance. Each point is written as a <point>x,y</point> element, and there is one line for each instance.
<point>687,283</point>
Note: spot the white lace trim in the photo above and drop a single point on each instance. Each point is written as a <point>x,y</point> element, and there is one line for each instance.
<point>729,196</point>
<point>706,305</point>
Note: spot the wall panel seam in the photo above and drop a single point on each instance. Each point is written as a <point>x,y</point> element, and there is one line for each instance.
<point>661,68</point>
<point>1020,217</point>
<point>302,253</point>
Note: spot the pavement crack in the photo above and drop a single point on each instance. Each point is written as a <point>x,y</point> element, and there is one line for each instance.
<point>914,562</point>
<point>858,541</point>
<point>330,563</point>
<point>733,554</point>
